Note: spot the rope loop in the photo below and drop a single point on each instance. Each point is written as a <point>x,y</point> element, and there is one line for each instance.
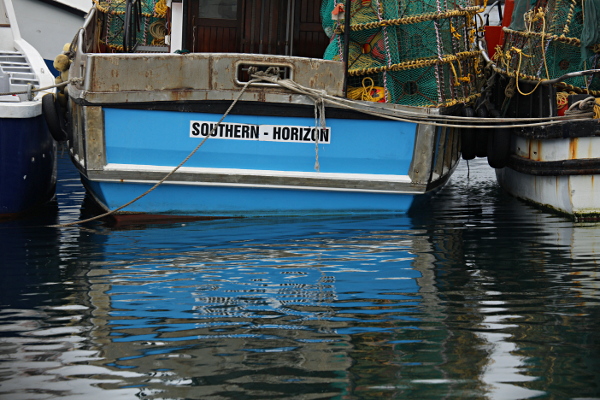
<point>582,106</point>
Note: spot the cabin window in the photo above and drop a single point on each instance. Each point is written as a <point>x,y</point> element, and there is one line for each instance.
<point>283,27</point>
<point>218,9</point>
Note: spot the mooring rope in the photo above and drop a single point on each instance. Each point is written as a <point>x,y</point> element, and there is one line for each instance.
<point>108,213</point>
<point>33,90</point>
<point>414,117</point>
<point>320,97</point>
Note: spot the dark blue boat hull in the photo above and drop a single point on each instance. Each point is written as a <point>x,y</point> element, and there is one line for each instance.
<point>27,165</point>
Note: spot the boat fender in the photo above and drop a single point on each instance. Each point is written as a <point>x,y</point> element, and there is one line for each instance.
<point>498,145</point>
<point>53,116</point>
<point>482,137</point>
<point>62,101</point>
<point>64,76</point>
<point>62,63</point>
<point>467,137</point>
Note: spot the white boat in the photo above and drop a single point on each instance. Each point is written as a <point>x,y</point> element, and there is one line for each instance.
<point>49,24</point>
<point>27,150</point>
<point>557,173</point>
<point>555,54</point>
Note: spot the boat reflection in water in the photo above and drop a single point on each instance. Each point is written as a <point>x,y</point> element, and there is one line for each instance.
<point>481,297</point>
<point>262,308</point>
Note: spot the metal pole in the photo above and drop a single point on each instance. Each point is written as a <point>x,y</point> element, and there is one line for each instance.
<point>346,43</point>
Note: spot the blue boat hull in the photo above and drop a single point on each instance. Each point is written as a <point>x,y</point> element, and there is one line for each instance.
<point>278,150</point>
<point>27,165</point>
<point>236,174</point>
<point>221,201</point>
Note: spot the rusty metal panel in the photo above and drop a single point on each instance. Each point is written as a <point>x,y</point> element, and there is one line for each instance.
<point>76,137</point>
<point>289,180</point>
<point>440,153</point>
<point>174,77</point>
<point>308,72</point>
<point>94,138</point>
<point>420,166</point>
<point>520,146</point>
<point>535,150</point>
<point>585,147</point>
<point>148,72</point>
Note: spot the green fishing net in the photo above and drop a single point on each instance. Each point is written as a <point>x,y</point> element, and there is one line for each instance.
<point>111,14</point>
<point>410,52</point>
<point>551,38</point>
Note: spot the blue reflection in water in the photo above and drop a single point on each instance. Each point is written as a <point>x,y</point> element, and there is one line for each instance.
<point>310,280</point>
<point>474,295</point>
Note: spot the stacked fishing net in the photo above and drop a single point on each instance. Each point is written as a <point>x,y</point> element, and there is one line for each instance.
<point>410,52</point>
<point>550,38</point>
<point>148,26</point>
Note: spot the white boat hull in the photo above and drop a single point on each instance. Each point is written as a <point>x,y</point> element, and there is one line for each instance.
<point>48,26</point>
<point>555,173</point>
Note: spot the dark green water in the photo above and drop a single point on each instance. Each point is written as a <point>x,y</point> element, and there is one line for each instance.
<point>474,295</point>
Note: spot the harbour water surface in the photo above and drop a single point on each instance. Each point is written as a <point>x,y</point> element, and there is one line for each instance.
<point>473,295</point>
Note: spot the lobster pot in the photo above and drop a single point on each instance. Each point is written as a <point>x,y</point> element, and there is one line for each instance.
<point>546,43</point>
<point>417,53</point>
<point>151,21</point>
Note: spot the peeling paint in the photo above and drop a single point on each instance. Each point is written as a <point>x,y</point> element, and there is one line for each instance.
<point>573,144</point>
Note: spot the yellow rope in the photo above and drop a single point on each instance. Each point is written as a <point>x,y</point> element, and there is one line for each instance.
<point>413,64</point>
<point>466,100</point>
<point>562,99</point>
<point>562,85</point>
<point>456,80</point>
<point>160,8</point>
<point>454,32</point>
<point>545,36</point>
<point>503,58</point>
<point>468,12</point>
<point>566,28</point>
<point>364,92</point>
<point>111,46</point>
<point>521,54</point>
<point>531,17</point>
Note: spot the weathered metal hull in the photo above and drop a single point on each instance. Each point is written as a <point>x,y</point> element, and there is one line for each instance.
<point>128,130</point>
<point>557,173</point>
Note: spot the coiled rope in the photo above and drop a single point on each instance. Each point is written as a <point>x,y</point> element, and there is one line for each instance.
<point>589,104</point>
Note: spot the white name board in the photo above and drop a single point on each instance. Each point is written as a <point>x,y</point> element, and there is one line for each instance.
<point>266,133</point>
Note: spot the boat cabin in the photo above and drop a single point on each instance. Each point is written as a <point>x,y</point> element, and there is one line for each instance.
<point>279,27</point>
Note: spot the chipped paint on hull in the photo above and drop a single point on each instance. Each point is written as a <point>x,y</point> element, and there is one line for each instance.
<point>573,194</point>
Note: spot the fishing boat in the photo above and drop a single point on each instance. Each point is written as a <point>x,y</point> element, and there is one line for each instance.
<point>237,107</point>
<point>27,149</point>
<point>240,107</point>
<point>547,67</point>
